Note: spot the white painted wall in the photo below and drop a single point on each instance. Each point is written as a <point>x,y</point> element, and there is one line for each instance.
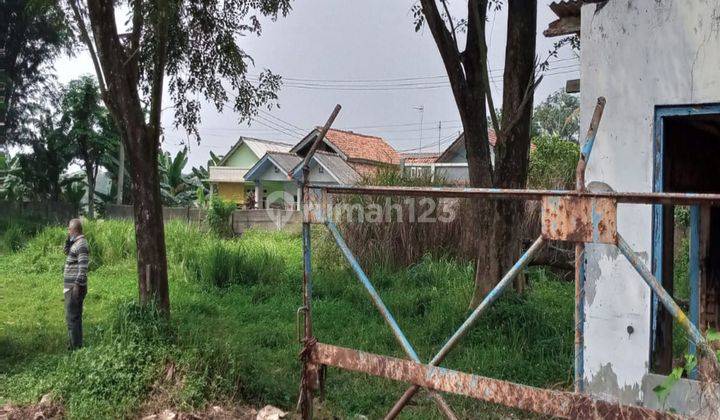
<point>637,54</point>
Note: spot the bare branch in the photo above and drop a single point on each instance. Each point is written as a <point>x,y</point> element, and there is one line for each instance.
<point>529,92</point>
<point>160,59</point>
<point>474,9</point>
<point>450,19</point>
<point>448,49</point>
<point>85,36</point>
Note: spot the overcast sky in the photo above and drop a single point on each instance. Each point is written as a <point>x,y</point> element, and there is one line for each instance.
<point>353,53</point>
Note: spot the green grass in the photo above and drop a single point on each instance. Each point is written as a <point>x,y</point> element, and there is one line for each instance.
<point>232,334</point>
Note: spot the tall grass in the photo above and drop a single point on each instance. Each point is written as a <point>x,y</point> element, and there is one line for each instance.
<point>232,334</point>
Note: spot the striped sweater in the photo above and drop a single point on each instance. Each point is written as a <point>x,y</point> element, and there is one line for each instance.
<point>76,264</point>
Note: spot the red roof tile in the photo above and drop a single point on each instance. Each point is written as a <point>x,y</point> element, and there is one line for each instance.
<point>362,146</point>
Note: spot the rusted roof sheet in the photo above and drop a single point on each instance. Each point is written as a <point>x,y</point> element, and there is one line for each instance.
<point>566,7</point>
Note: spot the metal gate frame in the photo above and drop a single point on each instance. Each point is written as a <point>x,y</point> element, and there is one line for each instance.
<point>578,216</point>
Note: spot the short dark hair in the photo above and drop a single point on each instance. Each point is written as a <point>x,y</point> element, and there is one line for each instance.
<point>76,225</point>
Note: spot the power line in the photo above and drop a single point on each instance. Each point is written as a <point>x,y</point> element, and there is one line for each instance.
<point>398,87</point>
<point>405,79</point>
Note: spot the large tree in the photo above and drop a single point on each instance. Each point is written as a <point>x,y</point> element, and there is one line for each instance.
<point>90,133</point>
<point>193,44</point>
<point>32,34</point>
<point>496,223</point>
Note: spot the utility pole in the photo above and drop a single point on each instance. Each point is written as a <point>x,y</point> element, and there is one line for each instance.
<point>420,109</point>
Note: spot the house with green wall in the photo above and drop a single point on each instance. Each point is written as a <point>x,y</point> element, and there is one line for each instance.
<point>228,176</point>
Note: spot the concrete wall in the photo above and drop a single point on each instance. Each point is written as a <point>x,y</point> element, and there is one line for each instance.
<point>638,54</point>
<point>243,157</point>
<point>241,220</point>
<point>233,191</point>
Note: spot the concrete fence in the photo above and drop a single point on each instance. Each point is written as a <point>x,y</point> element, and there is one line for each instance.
<point>241,220</point>
<point>54,211</point>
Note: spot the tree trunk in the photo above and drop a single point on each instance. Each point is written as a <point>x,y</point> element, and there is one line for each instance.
<point>91,189</point>
<point>149,228</point>
<point>499,223</point>
<point>141,146</point>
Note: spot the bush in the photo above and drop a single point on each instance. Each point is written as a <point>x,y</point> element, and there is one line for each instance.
<point>218,217</point>
<point>14,238</point>
<point>552,163</point>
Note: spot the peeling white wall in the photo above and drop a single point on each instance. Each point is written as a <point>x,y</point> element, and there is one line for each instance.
<point>637,54</point>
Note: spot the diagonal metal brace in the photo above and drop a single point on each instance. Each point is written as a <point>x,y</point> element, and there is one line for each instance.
<point>471,320</point>
<point>690,329</point>
<point>384,311</point>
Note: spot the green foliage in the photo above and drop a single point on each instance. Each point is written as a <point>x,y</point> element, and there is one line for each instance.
<point>177,188</point>
<point>218,217</point>
<point>557,116</point>
<point>34,34</point>
<point>237,342</point>
<point>553,163</point>
<point>682,216</point>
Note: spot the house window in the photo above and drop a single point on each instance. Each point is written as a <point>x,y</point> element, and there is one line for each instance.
<point>275,169</point>
<point>321,169</point>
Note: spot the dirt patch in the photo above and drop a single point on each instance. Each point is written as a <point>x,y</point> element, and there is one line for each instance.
<point>46,409</point>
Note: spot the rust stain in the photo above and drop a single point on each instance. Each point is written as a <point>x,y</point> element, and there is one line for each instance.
<point>580,219</point>
<point>538,400</point>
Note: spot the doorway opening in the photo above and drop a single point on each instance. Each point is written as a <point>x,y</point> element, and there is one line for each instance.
<point>686,240</point>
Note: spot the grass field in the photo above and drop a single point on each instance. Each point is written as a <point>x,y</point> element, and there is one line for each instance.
<point>231,338</point>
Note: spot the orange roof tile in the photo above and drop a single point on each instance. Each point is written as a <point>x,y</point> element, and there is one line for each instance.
<point>361,146</point>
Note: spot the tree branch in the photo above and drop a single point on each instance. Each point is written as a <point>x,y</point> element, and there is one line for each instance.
<point>518,114</point>
<point>159,61</point>
<point>475,10</point>
<point>448,49</point>
<point>85,36</point>
<point>450,20</point>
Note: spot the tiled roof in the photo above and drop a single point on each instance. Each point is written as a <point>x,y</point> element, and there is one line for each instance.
<point>342,172</point>
<point>286,161</point>
<point>361,146</point>
<point>420,157</point>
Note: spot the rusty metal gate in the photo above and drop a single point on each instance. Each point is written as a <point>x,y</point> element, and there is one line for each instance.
<point>578,216</point>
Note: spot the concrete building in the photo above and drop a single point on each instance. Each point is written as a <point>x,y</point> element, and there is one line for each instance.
<point>657,62</point>
<point>228,176</point>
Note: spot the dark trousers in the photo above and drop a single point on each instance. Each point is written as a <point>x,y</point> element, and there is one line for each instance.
<point>73,314</point>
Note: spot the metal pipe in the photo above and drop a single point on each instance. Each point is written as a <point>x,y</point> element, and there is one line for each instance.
<point>380,305</point>
<point>588,144</point>
<point>664,297</point>
<point>549,402</point>
<point>472,319</point>
<point>306,161</point>
<point>585,153</point>
<point>306,398</point>
<point>525,194</point>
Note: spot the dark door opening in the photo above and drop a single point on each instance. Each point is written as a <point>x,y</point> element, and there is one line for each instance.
<point>686,250</point>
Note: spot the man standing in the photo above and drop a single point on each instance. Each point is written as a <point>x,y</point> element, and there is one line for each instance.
<point>75,284</point>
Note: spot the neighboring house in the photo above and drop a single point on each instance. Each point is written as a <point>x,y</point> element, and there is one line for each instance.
<point>657,64</point>
<point>272,173</point>
<point>343,157</point>
<point>450,166</point>
<point>365,154</point>
<point>228,176</point>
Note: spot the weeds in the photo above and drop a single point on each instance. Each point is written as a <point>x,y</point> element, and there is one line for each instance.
<point>231,337</point>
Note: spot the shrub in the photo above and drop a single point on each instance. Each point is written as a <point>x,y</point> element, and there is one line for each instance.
<point>14,238</point>
<point>218,217</point>
<point>552,163</point>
